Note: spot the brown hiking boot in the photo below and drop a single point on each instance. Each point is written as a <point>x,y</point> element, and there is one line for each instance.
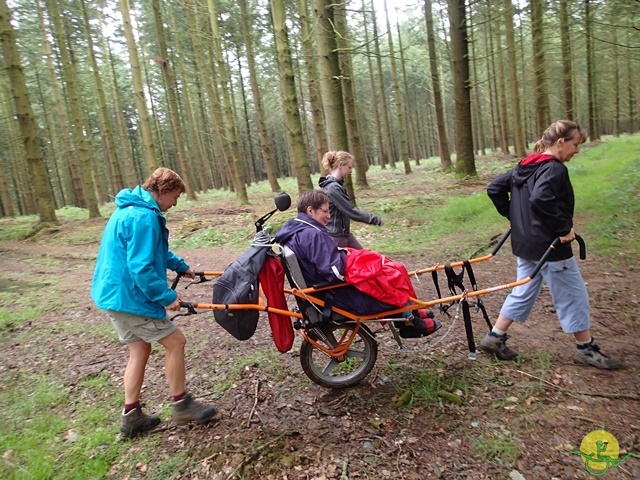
<point>189,410</point>
<point>136,421</point>
<point>496,344</point>
<point>590,354</point>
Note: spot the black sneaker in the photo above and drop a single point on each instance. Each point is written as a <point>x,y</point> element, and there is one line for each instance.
<point>135,421</point>
<point>497,344</point>
<point>189,410</point>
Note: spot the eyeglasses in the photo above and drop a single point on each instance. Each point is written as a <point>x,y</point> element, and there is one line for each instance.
<point>325,211</point>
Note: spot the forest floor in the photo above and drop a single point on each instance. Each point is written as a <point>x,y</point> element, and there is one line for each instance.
<point>516,420</point>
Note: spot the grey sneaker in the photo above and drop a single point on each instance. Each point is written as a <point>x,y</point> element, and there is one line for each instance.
<point>188,410</point>
<point>591,355</point>
<point>136,421</point>
<point>496,344</point>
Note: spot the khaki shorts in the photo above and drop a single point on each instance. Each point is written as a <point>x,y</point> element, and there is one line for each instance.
<point>132,328</point>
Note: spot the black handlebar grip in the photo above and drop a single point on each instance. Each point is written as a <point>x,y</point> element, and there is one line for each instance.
<point>185,305</point>
<point>542,261</point>
<point>500,243</point>
<point>174,284</point>
<point>583,247</point>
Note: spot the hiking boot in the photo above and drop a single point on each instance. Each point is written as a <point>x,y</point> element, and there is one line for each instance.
<point>590,354</point>
<point>188,410</point>
<point>136,421</point>
<point>497,344</point>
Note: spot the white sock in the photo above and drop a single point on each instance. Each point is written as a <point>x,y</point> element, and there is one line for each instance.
<point>497,331</point>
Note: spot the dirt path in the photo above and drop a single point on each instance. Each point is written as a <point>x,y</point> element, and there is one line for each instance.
<point>275,424</point>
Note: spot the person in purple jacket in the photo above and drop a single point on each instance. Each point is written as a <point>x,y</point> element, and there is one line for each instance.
<point>322,262</point>
<point>537,198</point>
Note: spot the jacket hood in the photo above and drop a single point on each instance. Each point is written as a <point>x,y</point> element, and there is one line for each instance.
<point>537,158</point>
<point>136,197</point>
<point>324,181</point>
<point>296,225</point>
<point>529,166</point>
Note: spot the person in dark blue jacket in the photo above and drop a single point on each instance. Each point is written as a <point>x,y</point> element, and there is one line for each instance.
<point>130,284</point>
<point>537,198</point>
<point>322,262</point>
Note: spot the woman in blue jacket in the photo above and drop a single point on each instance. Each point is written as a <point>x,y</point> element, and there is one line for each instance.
<point>130,284</point>
<point>537,198</point>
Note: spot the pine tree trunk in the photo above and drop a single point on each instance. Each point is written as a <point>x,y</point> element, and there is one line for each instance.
<point>76,108</point>
<point>518,136</point>
<point>169,85</point>
<point>349,98</point>
<point>594,130</point>
<point>388,155</point>
<point>402,128</point>
<point>465,163</point>
<point>227,111</point>
<point>313,83</point>
<point>24,113</point>
<point>267,159</point>
<point>111,160</point>
<point>70,183</point>
<point>374,90</point>
<point>501,92</point>
<point>289,98</point>
<point>443,140</point>
<point>567,74</point>
<point>138,90</point>
<point>543,116</point>
<point>130,178</point>
<point>414,150</point>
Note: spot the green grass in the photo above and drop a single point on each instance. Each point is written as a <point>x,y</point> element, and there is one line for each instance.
<point>48,434</point>
<point>497,445</point>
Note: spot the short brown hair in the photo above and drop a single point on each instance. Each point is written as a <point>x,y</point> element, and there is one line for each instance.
<point>312,198</point>
<point>164,180</point>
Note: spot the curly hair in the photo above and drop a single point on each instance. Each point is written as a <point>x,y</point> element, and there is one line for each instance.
<point>164,180</point>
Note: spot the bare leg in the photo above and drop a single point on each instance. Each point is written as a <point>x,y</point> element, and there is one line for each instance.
<point>134,373</point>
<point>503,323</point>
<point>174,361</point>
<point>583,337</point>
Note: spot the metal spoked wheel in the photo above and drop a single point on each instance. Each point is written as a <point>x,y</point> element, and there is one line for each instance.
<point>354,365</point>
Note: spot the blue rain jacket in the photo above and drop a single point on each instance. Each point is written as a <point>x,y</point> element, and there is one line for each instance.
<point>131,270</point>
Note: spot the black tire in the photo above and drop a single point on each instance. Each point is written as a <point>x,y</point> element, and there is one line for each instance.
<point>331,373</point>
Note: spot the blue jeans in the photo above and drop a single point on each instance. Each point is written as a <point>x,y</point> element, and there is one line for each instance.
<point>567,288</point>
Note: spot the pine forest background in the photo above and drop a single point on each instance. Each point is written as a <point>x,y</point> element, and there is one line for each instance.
<point>96,94</point>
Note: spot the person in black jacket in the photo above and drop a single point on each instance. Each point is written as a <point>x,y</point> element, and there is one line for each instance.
<point>537,198</point>
<point>342,211</point>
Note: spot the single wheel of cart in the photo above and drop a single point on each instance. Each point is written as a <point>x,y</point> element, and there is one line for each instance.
<point>330,360</point>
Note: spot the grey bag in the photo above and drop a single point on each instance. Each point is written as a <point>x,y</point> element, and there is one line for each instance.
<point>239,284</point>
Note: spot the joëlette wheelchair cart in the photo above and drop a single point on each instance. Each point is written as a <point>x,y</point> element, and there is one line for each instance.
<point>338,348</point>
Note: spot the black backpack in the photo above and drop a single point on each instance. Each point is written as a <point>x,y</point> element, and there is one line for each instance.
<point>239,284</point>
